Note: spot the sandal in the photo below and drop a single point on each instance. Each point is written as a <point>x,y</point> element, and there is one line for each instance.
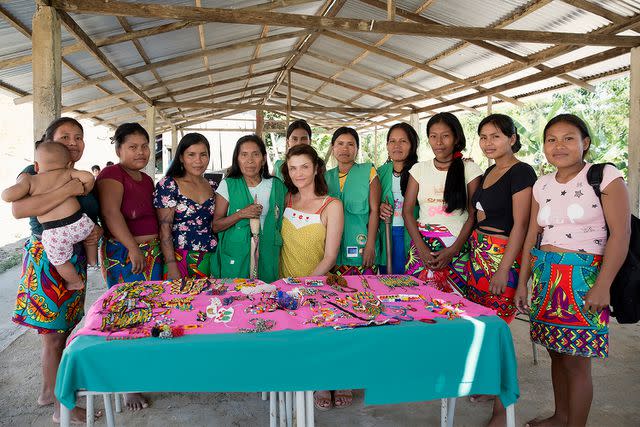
<point>345,397</point>
<point>322,400</point>
<point>479,398</point>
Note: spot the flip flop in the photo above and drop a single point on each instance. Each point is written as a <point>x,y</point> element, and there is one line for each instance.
<point>479,398</point>
<point>346,395</point>
<point>323,396</point>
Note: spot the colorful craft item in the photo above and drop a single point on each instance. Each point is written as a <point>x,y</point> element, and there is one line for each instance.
<point>224,315</point>
<point>314,283</point>
<point>181,303</point>
<point>400,297</point>
<point>212,309</point>
<point>339,283</point>
<point>259,325</point>
<point>201,316</point>
<point>293,281</point>
<point>189,286</point>
<point>166,331</point>
<point>445,308</point>
<point>287,301</point>
<point>398,281</point>
<point>252,286</point>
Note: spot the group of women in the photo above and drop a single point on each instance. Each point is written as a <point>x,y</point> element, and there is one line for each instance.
<point>479,234</point>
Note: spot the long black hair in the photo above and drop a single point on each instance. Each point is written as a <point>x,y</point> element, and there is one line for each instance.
<point>506,126</point>
<point>53,127</point>
<point>126,129</point>
<point>412,158</point>
<point>234,170</point>
<point>176,169</point>
<point>455,187</point>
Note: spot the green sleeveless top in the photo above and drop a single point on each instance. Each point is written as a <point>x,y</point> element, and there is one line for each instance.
<point>234,244</point>
<point>355,199</point>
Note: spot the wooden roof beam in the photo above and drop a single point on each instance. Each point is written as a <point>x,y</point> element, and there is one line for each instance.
<point>116,8</point>
<point>330,8</point>
<point>249,107</point>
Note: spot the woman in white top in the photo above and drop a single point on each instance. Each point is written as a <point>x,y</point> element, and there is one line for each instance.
<point>442,187</point>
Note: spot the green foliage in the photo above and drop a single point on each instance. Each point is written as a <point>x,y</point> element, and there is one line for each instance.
<point>606,111</point>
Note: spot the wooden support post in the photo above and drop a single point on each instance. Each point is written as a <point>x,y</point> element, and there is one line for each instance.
<point>633,143</point>
<point>288,97</point>
<point>174,142</point>
<point>489,105</point>
<point>375,146</point>
<point>259,123</point>
<point>150,169</point>
<point>391,10</point>
<point>47,68</point>
<point>414,121</point>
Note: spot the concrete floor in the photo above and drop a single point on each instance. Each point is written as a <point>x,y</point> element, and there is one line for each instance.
<point>616,396</point>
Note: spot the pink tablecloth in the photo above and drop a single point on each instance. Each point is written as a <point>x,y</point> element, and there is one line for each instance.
<point>215,306</point>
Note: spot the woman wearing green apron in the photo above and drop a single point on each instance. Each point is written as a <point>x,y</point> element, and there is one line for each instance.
<point>249,191</point>
<point>402,146</point>
<point>298,132</point>
<point>358,187</point>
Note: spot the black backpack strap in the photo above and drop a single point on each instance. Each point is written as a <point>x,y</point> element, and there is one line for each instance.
<point>594,177</point>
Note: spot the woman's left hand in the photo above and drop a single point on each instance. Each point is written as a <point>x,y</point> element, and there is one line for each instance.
<point>442,258</point>
<point>597,299</point>
<point>498,282</point>
<point>94,237</point>
<point>368,255</point>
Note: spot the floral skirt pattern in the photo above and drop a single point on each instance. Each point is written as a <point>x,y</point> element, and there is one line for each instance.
<point>558,319</point>
<point>116,265</point>
<point>486,254</point>
<point>43,303</point>
<point>452,278</point>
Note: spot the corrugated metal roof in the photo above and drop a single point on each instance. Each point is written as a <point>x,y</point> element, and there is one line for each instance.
<point>463,60</point>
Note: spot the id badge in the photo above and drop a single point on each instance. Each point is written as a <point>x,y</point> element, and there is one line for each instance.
<point>352,252</point>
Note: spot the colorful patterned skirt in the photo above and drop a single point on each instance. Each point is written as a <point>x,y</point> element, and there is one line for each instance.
<point>558,319</point>
<point>486,254</point>
<point>194,264</point>
<point>116,265</point>
<point>43,303</point>
<point>452,278</point>
<point>354,270</point>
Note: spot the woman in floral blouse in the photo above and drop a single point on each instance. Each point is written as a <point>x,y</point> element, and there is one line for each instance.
<point>185,202</point>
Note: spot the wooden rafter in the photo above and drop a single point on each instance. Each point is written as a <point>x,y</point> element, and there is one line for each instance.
<point>115,8</point>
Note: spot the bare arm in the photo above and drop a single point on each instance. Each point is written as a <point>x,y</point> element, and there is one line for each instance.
<point>534,229</point>
<point>18,190</point>
<point>43,203</point>
<point>86,178</point>
<point>165,221</point>
<point>334,221</point>
<point>444,256</point>
<point>369,255</point>
<point>410,200</point>
<point>615,204</point>
<point>222,221</point>
<point>521,202</point>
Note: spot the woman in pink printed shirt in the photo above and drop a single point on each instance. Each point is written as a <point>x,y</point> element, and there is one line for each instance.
<point>582,247</point>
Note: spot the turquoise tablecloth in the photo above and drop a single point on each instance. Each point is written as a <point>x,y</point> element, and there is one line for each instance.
<point>410,362</point>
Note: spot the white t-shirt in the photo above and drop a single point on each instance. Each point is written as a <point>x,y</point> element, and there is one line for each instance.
<point>262,191</point>
<point>398,201</point>
<point>431,194</point>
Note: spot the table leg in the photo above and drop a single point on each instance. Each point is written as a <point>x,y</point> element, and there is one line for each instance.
<point>273,412</point>
<point>117,398</point>
<point>108,409</point>
<point>90,411</point>
<point>282,412</point>
<point>451,409</point>
<point>65,416</point>
<point>288,397</point>
<point>443,412</point>
<point>511,415</point>
<point>264,395</point>
<point>300,409</point>
<point>308,396</point>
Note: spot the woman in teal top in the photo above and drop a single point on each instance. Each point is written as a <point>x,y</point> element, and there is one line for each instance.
<point>43,302</point>
<point>298,132</point>
<point>358,187</point>
<point>402,146</point>
<point>249,191</point>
